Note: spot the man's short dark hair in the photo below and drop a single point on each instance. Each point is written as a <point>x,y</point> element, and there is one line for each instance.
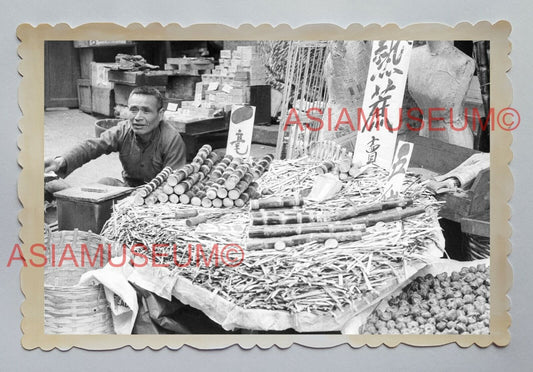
<point>149,91</point>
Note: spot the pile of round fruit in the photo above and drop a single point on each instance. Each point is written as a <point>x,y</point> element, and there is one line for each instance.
<point>442,304</point>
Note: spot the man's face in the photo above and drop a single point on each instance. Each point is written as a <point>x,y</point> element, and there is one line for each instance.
<point>145,114</point>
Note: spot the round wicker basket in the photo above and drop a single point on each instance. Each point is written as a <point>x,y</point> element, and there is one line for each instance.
<point>70,308</point>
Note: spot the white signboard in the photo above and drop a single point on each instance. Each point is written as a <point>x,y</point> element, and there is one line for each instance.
<point>241,128</point>
<point>401,161</point>
<point>385,86</point>
<point>172,106</point>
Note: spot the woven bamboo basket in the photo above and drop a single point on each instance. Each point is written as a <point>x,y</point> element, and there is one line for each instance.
<point>476,247</point>
<point>70,308</point>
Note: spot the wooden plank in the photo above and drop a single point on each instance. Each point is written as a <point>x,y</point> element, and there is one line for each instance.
<point>477,225</point>
<point>84,95</point>
<point>435,155</point>
<point>86,57</point>
<point>481,193</point>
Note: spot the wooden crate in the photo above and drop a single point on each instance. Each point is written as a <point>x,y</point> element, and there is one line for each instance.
<point>99,74</point>
<point>103,101</point>
<point>85,95</point>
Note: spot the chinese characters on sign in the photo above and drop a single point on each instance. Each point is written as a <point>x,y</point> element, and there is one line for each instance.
<point>385,86</point>
<point>241,128</point>
<point>398,170</point>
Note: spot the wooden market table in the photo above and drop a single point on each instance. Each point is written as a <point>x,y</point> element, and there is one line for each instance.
<point>193,130</point>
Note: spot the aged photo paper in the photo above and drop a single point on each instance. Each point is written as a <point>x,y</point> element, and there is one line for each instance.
<point>211,186</point>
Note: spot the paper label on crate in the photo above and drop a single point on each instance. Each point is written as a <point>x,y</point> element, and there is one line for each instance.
<point>241,128</point>
<point>172,106</point>
<point>399,167</point>
<point>227,88</point>
<point>213,86</point>
<point>385,86</point>
<point>199,91</point>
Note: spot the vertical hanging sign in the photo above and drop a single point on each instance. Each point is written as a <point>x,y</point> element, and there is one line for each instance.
<point>379,121</point>
<point>241,128</point>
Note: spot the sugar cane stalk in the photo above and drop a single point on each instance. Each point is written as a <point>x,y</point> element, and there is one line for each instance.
<point>276,202</point>
<point>257,244</point>
<point>306,228</point>
<point>359,210</point>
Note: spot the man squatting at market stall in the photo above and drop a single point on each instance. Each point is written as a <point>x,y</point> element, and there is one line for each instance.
<point>145,142</point>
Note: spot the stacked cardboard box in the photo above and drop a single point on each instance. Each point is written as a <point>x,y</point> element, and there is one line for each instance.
<point>189,111</point>
<point>227,84</point>
<point>190,66</point>
<point>230,81</point>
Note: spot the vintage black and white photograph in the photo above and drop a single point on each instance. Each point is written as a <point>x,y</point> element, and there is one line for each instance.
<point>258,187</point>
<point>297,221</point>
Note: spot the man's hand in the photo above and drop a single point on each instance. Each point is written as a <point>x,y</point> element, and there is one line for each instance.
<point>54,164</point>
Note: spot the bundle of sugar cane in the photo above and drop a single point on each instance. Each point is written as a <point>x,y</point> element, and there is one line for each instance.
<point>217,189</point>
<point>208,165</point>
<point>182,174</point>
<point>221,167</point>
<point>233,179</point>
<point>241,186</point>
<point>147,189</point>
<point>189,182</point>
<point>194,189</point>
<point>262,166</point>
<point>178,188</point>
<point>203,155</point>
